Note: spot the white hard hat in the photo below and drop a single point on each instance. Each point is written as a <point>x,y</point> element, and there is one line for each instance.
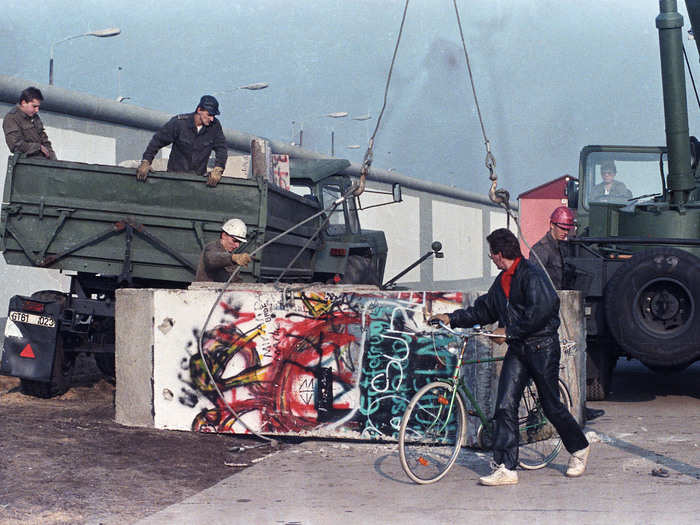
<point>236,228</point>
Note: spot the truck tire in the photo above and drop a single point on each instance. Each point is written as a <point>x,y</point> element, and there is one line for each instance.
<point>62,366</point>
<point>60,382</point>
<point>105,362</point>
<point>652,307</point>
<point>600,364</point>
<point>360,270</point>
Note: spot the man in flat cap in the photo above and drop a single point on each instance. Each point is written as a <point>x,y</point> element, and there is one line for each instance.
<point>193,136</point>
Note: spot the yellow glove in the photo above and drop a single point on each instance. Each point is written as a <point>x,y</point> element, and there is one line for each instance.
<point>142,171</point>
<point>241,259</point>
<point>215,176</point>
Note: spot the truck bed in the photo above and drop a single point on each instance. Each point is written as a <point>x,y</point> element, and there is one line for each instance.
<point>99,219</point>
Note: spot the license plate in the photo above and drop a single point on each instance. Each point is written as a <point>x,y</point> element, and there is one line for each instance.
<point>39,320</point>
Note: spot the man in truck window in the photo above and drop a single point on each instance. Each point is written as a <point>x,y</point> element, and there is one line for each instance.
<point>24,131</point>
<point>610,189</point>
<point>526,307</point>
<point>193,137</point>
<point>218,260</point>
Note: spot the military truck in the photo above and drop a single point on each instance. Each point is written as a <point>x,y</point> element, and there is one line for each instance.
<point>637,254</point>
<point>107,230</point>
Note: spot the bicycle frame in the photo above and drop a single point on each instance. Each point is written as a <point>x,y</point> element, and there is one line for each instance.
<point>456,379</point>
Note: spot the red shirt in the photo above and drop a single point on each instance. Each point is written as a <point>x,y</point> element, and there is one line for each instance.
<point>507,277</point>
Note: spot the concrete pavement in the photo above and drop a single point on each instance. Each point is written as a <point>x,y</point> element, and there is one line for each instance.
<point>651,422</point>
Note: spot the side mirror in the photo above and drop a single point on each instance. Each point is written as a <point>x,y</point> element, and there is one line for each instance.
<point>396,192</point>
<point>572,193</point>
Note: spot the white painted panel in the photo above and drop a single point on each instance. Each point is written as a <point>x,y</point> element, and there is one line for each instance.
<point>82,147</point>
<point>459,229</point>
<point>4,153</point>
<point>401,225</point>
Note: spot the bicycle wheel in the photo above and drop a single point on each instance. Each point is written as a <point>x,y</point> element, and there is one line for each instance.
<point>539,441</point>
<point>431,431</point>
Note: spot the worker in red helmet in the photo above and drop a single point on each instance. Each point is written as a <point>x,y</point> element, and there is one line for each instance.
<point>552,248</point>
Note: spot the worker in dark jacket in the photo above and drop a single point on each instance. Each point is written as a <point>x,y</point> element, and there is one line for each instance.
<point>218,260</point>
<point>552,248</point>
<point>526,307</point>
<point>24,131</point>
<point>193,136</point>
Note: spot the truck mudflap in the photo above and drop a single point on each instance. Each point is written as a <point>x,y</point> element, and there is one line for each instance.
<point>31,332</point>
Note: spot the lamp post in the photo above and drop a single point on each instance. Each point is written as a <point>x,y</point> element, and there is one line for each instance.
<point>101,33</point>
<point>334,115</point>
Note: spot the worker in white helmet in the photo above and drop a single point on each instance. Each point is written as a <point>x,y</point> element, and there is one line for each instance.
<point>218,260</point>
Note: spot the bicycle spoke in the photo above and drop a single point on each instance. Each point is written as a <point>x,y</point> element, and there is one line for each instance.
<point>539,441</point>
<point>431,433</point>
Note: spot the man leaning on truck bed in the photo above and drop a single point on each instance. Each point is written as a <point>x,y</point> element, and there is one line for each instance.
<point>193,136</point>
<point>24,131</point>
<point>218,260</point>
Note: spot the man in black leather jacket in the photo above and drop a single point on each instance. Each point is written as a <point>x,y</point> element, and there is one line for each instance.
<point>526,307</point>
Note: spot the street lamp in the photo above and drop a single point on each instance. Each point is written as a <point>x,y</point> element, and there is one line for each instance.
<point>101,33</point>
<point>334,115</point>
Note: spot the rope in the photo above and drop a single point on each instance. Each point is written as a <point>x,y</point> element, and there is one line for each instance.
<point>692,79</point>
<point>369,154</point>
<point>499,196</point>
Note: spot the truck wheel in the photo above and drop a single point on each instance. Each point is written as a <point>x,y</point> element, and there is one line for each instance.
<point>360,270</point>
<point>60,382</point>
<point>599,368</point>
<point>105,362</point>
<point>652,307</point>
<point>63,364</point>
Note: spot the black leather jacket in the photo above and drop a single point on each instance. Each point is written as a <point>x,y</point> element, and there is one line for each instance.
<point>531,313</point>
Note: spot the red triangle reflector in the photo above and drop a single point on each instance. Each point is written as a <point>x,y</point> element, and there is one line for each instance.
<point>27,352</point>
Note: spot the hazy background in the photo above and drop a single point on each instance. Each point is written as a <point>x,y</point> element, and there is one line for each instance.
<point>552,76</point>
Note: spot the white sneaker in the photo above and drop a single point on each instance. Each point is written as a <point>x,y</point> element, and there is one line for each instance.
<point>500,476</point>
<point>577,462</point>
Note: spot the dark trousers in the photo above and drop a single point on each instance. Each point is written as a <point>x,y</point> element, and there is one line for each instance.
<point>541,363</point>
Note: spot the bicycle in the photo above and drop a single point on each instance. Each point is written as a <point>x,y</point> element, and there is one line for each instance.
<point>434,424</point>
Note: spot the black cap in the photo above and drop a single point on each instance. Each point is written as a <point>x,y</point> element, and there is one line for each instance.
<point>210,104</point>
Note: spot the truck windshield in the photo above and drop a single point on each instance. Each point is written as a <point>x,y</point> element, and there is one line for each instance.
<point>621,177</point>
<point>336,223</point>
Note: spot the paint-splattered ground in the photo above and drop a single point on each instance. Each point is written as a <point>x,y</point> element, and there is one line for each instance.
<point>65,460</point>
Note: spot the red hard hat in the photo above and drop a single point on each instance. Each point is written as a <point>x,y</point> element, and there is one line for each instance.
<point>564,218</point>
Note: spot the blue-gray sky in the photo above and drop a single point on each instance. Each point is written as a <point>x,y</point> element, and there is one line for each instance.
<point>552,76</point>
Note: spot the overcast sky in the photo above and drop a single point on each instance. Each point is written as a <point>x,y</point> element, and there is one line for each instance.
<point>551,75</point>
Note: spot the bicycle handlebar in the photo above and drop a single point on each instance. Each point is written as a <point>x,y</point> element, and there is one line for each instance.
<point>469,332</point>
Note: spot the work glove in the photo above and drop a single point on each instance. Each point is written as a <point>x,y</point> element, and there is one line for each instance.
<point>215,176</point>
<point>241,259</point>
<point>142,171</point>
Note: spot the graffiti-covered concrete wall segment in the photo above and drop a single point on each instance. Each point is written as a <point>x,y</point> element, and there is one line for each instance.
<point>322,362</point>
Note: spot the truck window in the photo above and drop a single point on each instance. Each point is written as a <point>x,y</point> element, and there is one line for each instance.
<point>337,223</point>
<point>301,189</point>
<point>620,177</point>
